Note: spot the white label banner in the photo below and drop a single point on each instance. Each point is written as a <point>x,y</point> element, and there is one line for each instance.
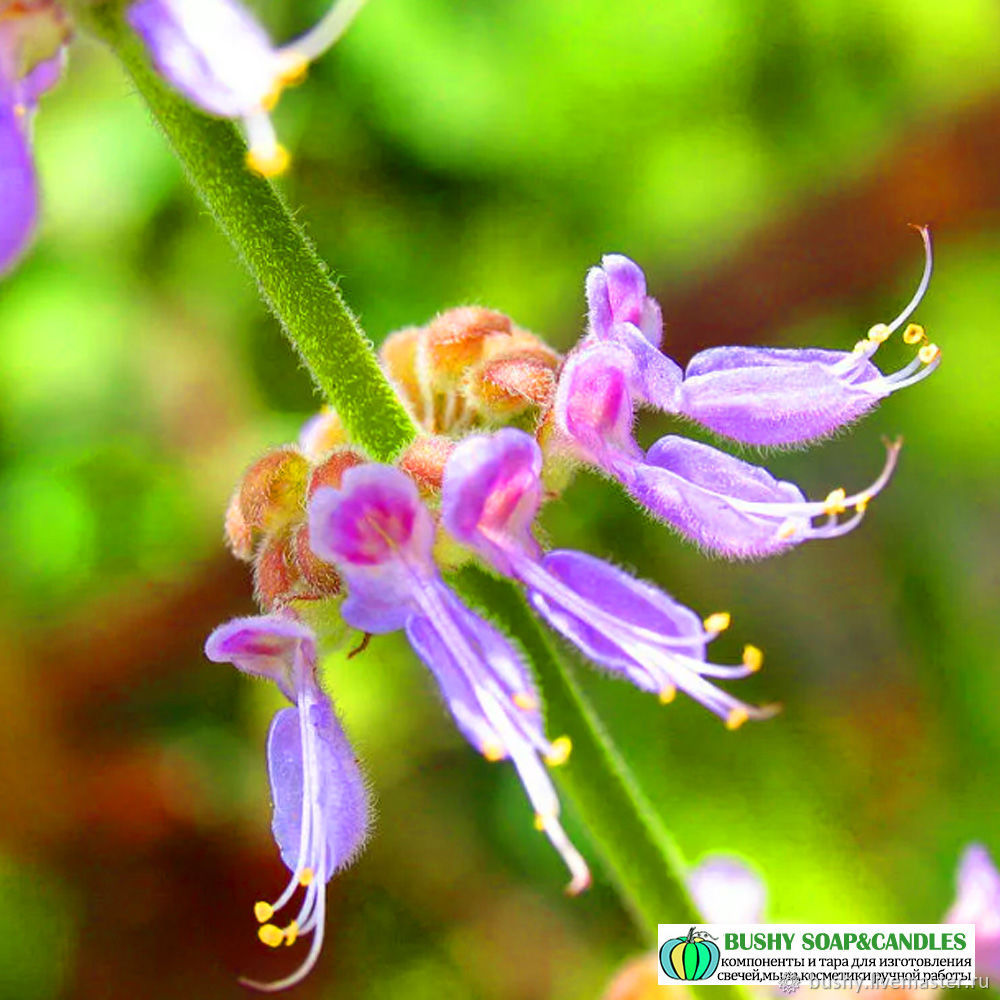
<point>832,956</point>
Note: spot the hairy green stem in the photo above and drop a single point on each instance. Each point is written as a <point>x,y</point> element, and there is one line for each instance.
<point>292,278</point>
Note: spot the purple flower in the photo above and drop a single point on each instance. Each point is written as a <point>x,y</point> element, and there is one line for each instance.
<point>321,811</point>
<point>978,902</point>
<point>379,534</point>
<point>724,503</point>
<point>221,59</point>
<point>755,395</point>
<point>32,38</point>
<point>492,491</point>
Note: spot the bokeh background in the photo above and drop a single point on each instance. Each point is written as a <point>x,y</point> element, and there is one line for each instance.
<point>761,159</point>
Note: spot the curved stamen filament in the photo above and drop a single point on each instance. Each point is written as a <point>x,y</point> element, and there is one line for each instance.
<point>326,32</point>
<point>910,308</point>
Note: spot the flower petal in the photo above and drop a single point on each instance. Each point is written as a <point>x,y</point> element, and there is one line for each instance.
<point>693,487</point>
<point>212,51</point>
<point>265,646</point>
<point>770,396</point>
<point>380,534</point>
<point>340,798</point>
<point>616,294</point>
<point>19,203</point>
<point>727,891</point>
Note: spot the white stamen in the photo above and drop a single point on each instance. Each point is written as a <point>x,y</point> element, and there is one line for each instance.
<point>327,32</point>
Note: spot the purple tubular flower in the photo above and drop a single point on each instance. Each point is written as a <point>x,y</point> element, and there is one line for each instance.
<point>222,60</point>
<point>31,59</point>
<point>727,891</point>
<point>978,902</point>
<point>754,395</point>
<point>380,536</point>
<point>723,503</point>
<point>321,811</point>
<point>491,493</point>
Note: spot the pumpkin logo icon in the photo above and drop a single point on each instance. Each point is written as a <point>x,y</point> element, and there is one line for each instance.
<point>689,958</point>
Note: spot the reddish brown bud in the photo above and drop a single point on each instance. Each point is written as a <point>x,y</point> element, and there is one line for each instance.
<point>322,578</point>
<point>509,384</point>
<point>331,471</point>
<point>425,459</point>
<point>273,490</point>
<point>274,573</point>
<point>239,536</point>
<point>455,339</point>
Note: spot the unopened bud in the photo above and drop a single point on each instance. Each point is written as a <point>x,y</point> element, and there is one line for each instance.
<point>454,340</point>
<point>331,471</point>
<point>508,385</point>
<point>636,980</point>
<point>239,536</point>
<point>425,459</point>
<point>398,355</point>
<point>273,490</point>
<point>322,578</point>
<point>274,573</point>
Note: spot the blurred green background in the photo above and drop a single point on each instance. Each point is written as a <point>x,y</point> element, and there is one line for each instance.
<point>760,159</point>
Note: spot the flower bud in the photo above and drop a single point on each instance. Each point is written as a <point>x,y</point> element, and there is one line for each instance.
<point>455,340</point>
<point>425,459</point>
<point>239,536</point>
<point>509,384</point>
<point>331,471</point>
<point>321,434</point>
<point>322,578</point>
<point>398,355</point>
<point>273,490</point>
<point>274,574</point>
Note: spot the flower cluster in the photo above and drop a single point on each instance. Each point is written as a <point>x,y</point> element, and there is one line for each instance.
<point>211,51</point>
<point>340,543</point>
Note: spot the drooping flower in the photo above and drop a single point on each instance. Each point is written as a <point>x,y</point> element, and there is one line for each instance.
<point>379,534</point>
<point>321,811</point>
<point>977,902</point>
<point>212,51</point>
<point>492,492</point>
<point>32,40</point>
<point>724,503</point>
<point>754,395</point>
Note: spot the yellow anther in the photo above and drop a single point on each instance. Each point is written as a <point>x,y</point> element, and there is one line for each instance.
<point>834,502</point>
<point>736,718</point>
<point>561,749</point>
<point>667,694</point>
<point>929,353</point>
<point>718,622</point>
<point>539,822</point>
<point>861,347</point>
<point>525,701</point>
<point>753,658</point>
<point>263,912</point>
<point>862,505</point>
<point>879,333</point>
<point>306,877</point>
<point>493,752</point>
<point>20,110</point>
<point>294,70</point>
<point>291,932</point>
<point>269,164</point>
<point>270,935</point>
<point>913,334</point>
<point>787,530</point>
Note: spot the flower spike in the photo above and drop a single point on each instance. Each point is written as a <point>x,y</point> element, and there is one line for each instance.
<point>492,491</point>
<point>321,811</point>
<point>380,535</point>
